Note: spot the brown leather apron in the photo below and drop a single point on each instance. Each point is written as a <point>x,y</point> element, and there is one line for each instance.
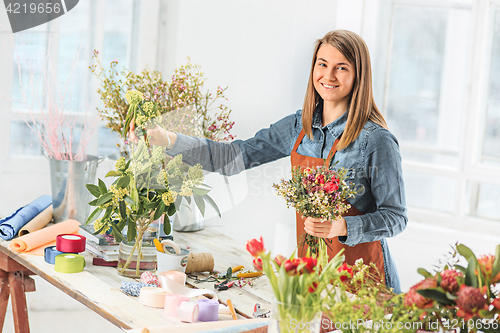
<point>370,251</point>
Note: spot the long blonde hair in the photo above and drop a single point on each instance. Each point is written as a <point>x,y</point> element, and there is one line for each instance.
<point>361,105</point>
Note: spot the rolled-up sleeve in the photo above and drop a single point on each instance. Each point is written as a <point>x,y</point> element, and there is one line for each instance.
<point>385,177</point>
<point>267,145</point>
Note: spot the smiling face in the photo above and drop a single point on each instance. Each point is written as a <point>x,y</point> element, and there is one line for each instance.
<point>333,78</point>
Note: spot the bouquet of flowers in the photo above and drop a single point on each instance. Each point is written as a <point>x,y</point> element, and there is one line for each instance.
<point>457,296</point>
<point>317,192</point>
<point>298,284</point>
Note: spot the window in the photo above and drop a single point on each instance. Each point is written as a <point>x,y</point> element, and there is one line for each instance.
<point>442,101</point>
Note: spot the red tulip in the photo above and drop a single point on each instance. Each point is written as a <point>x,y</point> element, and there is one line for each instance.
<point>257,264</point>
<point>291,266</point>
<point>313,287</point>
<point>310,264</point>
<point>279,259</point>
<point>255,247</point>
<point>345,271</point>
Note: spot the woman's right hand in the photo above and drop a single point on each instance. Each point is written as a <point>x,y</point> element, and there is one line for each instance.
<point>158,136</point>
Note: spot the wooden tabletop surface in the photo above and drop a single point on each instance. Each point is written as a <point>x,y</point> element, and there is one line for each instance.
<point>98,287</point>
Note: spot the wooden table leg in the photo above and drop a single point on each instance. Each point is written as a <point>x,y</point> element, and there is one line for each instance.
<point>19,306</point>
<point>4,298</point>
<point>16,282</point>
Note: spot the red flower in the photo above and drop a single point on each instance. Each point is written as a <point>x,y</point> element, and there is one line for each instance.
<point>255,247</point>
<point>449,280</point>
<point>486,265</point>
<point>291,266</point>
<point>345,271</point>
<point>279,259</point>
<point>310,264</point>
<point>313,287</point>
<point>470,300</point>
<point>331,186</point>
<point>413,297</point>
<point>320,179</point>
<point>257,264</point>
<point>496,303</point>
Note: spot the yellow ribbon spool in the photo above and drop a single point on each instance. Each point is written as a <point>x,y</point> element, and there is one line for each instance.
<point>69,263</point>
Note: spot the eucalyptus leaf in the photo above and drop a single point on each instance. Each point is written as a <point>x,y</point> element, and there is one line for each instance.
<point>102,229</point>
<point>93,202</point>
<point>112,173</point>
<point>123,209</point>
<point>120,225</point>
<point>200,191</point>
<point>465,251</point>
<point>171,210</point>
<point>123,182</point>
<point>94,215</point>
<point>107,214</point>
<point>212,203</point>
<point>93,189</point>
<point>200,203</point>
<point>167,228</point>
<point>102,187</point>
<point>129,200</point>
<point>160,210</point>
<point>131,232</point>
<point>104,199</point>
<point>118,235</point>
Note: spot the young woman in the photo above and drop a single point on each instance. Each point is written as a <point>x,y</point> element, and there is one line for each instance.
<point>340,121</point>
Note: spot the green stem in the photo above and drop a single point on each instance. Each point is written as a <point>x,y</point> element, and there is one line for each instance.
<point>129,259</point>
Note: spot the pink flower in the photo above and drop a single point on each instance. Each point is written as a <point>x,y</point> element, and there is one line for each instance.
<point>331,186</point>
<point>255,247</point>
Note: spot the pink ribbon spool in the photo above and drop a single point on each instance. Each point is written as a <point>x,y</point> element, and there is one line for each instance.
<point>209,310</point>
<point>188,312</point>
<point>176,276</point>
<point>172,303</point>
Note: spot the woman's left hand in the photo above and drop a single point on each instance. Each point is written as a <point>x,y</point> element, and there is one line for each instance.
<point>325,228</point>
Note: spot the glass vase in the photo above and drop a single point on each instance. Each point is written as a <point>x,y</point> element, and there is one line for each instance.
<point>287,318</point>
<point>127,258</point>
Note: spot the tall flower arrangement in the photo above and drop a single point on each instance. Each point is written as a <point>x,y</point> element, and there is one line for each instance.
<point>317,192</point>
<point>298,283</point>
<point>192,110</point>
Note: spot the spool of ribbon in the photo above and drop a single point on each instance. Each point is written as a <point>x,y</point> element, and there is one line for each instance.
<point>149,278</point>
<point>70,243</point>
<point>50,254</point>
<point>177,276</point>
<point>153,297</point>
<point>133,288</point>
<point>172,302</point>
<point>188,312</point>
<point>69,263</point>
<point>209,310</point>
<point>169,246</point>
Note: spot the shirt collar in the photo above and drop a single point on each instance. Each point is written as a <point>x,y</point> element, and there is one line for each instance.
<point>335,128</point>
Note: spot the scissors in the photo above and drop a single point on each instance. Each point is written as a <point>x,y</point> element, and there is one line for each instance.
<point>224,285</point>
<point>198,280</point>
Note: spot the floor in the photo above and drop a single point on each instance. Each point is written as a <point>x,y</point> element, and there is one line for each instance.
<point>419,246</point>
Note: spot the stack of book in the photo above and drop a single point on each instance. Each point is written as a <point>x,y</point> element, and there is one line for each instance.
<point>104,248</point>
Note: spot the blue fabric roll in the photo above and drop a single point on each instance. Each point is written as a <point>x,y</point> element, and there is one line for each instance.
<point>10,225</point>
<point>134,288</point>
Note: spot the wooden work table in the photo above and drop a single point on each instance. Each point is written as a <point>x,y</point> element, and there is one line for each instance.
<point>98,287</point>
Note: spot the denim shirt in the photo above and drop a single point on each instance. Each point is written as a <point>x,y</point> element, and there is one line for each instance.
<point>373,159</point>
